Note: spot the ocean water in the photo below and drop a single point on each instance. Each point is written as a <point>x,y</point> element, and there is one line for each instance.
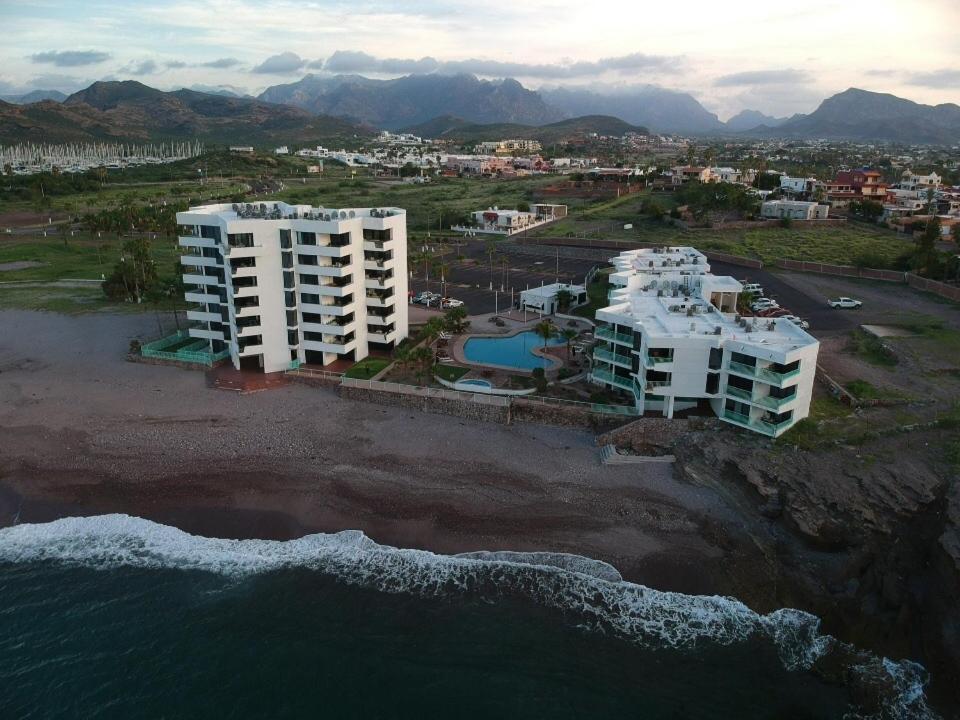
<point>118,617</point>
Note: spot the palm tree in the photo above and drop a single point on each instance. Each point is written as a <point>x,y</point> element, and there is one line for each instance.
<point>569,334</point>
<point>546,330</point>
<point>564,298</point>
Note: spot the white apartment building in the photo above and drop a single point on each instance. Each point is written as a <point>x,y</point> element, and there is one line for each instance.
<point>912,181</point>
<point>494,221</point>
<point>672,340</point>
<point>797,186</point>
<point>280,285</point>
<point>794,209</point>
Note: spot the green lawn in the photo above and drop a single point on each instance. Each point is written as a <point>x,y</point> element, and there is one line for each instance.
<point>864,390</point>
<point>871,349</point>
<point>367,368</point>
<point>597,294</point>
<point>450,373</point>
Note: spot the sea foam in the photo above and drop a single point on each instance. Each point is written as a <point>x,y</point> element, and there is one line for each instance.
<point>591,589</point>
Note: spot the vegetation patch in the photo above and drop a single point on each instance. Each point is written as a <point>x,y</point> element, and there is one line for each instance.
<point>864,390</point>
<point>367,368</point>
<point>871,349</point>
<point>450,373</point>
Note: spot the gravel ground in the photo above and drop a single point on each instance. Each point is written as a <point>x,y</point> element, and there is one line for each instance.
<point>83,431</point>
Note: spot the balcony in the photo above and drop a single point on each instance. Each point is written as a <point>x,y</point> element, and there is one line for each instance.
<point>610,378</point>
<point>329,251</point>
<point>242,272</point>
<point>248,330</point>
<point>765,401</point>
<point>203,316</point>
<point>329,328</point>
<point>205,333</point>
<point>245,291</point>
<point>248,311</point>
<point>192,279</point>
<point>605,333</point>
<point>375,301</point>
<point>379,245</point>
<point>198,261</point>
<point>248,350</point>
<point>194,296</point>
<point>382,337</point>
<point>193,241</point>
<point>655,361</point>
<point>612,357</point>
<point>657,386</point>
<point>379,283</point>
<point>375,265</point>
<point>761,426</point>
<point>771,377</point>
<point>338,348</point>
<point>338,310</point>
<point>381,320</point>
<point>337,271</point>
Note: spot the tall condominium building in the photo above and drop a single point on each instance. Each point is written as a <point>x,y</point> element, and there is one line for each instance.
<point>673,340</point>
<point>280,285</point>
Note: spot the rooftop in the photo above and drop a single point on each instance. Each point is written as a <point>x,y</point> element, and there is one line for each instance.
<point>283,211</point>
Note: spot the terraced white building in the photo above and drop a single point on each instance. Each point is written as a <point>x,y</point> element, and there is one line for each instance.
<point>279,285</point>
<point>672,339</point>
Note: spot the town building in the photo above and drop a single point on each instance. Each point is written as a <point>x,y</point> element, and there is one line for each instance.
<point>508,147</point>
<point>495,221</point>
<point>684,173</point>
<point>797,186</point>
<point>671,339</point>
<point>856,186</point>
<point>280,285</point>
<point>913,181</point>
<point>794,210</point>
<point>544,299</point>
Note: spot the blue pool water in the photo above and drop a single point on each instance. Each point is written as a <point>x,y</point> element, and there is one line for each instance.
<point>515,351</point>
<point>475,383</point>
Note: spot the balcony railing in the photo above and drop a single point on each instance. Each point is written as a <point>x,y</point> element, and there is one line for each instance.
<point>612,379</point>
<point>653,385</point>
<point>608,334</point>
<point>764,374</point>
<point>767,401</point>
<point>612,357</point>
<point>761,426</point>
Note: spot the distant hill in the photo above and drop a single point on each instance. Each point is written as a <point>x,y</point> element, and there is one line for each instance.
<point>414,99</point>
<point>661,110</point>
<point>750,119</point>
<point>453,128</point>
<point>132,111</point>
<point>863,116</point>
<point>34,96</point>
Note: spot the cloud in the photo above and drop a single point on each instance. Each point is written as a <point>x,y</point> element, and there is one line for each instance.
<point>143,67</point>
<point>285,62</point>
<point>175,64</point>
<point>944,78</point>
<point>350,61</point>
<point>762,77</point>
<point>70,58</point>
<point>223,63</point>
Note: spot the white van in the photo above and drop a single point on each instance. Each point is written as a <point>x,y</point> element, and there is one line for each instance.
<point>753,288</point>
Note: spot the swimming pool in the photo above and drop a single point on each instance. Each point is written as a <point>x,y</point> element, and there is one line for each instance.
<point>473,383</point>
<point>515,351</point>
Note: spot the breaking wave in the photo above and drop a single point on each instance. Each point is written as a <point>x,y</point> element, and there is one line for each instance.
<point>593,590</point>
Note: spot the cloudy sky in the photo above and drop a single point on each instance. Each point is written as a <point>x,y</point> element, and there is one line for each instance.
<point>778,58</point>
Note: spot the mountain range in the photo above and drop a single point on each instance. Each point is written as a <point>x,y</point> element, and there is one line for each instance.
<point>414,99</point>
<point>861,115</point>
<point>448,127</point>
<point>463,107</point>
<point>131,111</point>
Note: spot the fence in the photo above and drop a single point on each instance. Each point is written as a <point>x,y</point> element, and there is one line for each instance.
<point>950,292</point>
<point>314,373</point>
<point>189,353</point>
<point>624,410</point>
<point>423,391</point>
<point>734,260</point>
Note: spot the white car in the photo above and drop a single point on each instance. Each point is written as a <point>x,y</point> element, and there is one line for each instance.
<point>752,288</point>
<point>845,302</point>
<point>796,321</point>
<point>451,303</point>
<point>764,304</point>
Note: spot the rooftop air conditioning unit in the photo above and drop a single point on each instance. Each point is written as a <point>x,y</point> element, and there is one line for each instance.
<point>717,330</point>
<point>352,214</point>
<point>343,215</point>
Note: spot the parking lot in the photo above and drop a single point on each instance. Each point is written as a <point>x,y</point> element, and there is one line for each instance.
<point>485,289</point>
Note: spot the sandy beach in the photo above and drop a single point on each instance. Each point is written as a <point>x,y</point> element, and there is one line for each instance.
<point>86,432</point>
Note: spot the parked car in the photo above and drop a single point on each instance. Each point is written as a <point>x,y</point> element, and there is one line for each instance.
<point>426,298</point>
<point>752,288</point>
<point>774,312</point>
<point>449,302</point>
<point>764,304</point>
<point>796,321</point>
<point>845,302</point>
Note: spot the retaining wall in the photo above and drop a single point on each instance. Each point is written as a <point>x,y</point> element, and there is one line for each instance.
<point>653,432</point>
<point>436,405</point>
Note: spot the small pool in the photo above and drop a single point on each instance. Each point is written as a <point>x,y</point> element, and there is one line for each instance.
<point>515,351</point>
<point>473,383</point>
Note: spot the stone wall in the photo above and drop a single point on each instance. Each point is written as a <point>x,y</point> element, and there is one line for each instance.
<point>531,411</point>
<point>437,405</point>
<point>648,434</point>
<point>138,358</point>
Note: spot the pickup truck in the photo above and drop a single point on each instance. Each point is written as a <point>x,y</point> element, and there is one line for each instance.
<point>845,302</point>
